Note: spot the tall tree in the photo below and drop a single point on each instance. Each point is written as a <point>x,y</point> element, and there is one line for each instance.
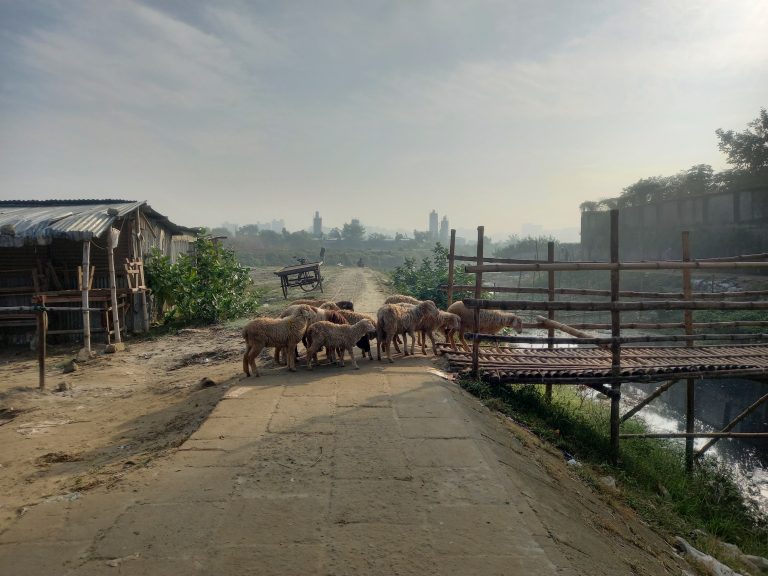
<point>353,231</point>
<point>747,150</point>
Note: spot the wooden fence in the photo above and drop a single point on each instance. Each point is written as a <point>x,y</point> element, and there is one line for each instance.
<point>685,301</point>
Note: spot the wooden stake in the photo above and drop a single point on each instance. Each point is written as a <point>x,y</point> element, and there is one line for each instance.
<point>112,236</point>
<point>451,266</point>
<point>478,295</point>
<point>550,313</point>
<point>42,328</point>
<point>615,334</point>
<point>690,393</point>
<point>86,269</point>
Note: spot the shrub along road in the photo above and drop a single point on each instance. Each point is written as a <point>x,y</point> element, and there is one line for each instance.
<point>387,470</point>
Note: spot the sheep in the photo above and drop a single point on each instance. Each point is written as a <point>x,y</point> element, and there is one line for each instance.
<point>315,315</point>
<point>341,336</point>
<point>401,298</point>
<point>392,319</point>
<point>341,304</point>
<point>491,321</point>
<point>365,342</point>
<point>446,321</point>
<point>283,333</point>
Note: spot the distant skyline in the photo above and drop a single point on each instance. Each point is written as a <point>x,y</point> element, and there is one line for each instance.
<point>496,113</point>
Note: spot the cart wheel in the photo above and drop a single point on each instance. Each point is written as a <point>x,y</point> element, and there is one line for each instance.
<point>308,287</point>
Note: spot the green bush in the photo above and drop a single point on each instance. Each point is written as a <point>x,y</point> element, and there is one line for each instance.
<point>204,287</point>
<point>425,280</point>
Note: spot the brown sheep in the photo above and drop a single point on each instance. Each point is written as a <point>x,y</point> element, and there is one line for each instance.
<point>282,333</point>
<point>491,322</point>
<point>392,319</point>
<point>401,298</point>
<point>336,336</point>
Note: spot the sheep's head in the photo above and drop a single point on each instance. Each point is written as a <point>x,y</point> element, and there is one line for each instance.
<point>368,325</point>
<point>428,308</point>
<point>515,322</point>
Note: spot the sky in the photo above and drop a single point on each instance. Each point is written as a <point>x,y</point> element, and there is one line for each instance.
<point>502,113</point>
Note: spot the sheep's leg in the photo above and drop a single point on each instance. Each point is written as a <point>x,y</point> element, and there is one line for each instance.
<point>341,352</point>
<point>413,340</point>
<point>246,367</point>
<point>395,342</point>
<point>388,343</point>
<point>432,341</point>
<point>352,355</point>
<point>449,337</point>
<point>312,355</point>
<point>463,342</point>
<point>251,355</point>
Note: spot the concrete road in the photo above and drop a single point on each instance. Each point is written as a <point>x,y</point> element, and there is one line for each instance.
<point>386,470</point>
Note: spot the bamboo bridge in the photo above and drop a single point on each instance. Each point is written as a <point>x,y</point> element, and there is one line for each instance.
<point>605,363</point>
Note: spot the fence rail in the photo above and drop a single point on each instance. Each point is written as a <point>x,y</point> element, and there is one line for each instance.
<point>685,302</point>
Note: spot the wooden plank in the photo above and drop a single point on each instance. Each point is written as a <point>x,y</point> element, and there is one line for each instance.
<point>611,306</point>
<point>451,265</point>
<point>478,294</point>
<point>576,266</point>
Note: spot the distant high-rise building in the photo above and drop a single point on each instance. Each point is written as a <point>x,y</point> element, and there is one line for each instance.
<point>317,225</point>
<point>444,231</point>
<point>355,222</point>
<point>278,225</point>
<point>433,225</point>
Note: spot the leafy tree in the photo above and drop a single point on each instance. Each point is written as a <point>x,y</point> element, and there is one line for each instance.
<point>205,287</point>
<point>420,237</point>
<point>747,150</point>
<point>377,237</point>
<point>424,281</point>
<point>353,231</point>
<point>248,230</point>
<point>335,234</point>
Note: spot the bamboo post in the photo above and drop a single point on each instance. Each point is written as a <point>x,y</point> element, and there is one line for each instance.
<point>84,288</point>
<point>478,295</point>
<point>731,425</point>
<point>42,327</point>
<point>550,313</point>
<point>615,334</point>
<point>112,237</point>
<point>689,389</point>
<point>451,266</point>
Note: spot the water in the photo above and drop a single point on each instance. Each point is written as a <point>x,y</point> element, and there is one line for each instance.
<point>748,464</point>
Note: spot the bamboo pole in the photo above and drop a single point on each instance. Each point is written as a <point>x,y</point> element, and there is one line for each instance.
<point>623,293</point>
<point>451,265</point>
<point>615,335</point>
<point>478,294</point>
<point>550,313</point>
<point>698,435</point>
<point>552,325</point>
<point>608,340</point>
<point>690,391</point>
<point>42,327</point>
<point>670,325</point>
<point>650,398</point>
<point>578,266</point>
<point>112,235</point>
<point>611,306</point>
<point>732,424</point>
<point>86,307</point>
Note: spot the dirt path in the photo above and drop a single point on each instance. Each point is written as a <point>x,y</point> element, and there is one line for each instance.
<point>387,470</point>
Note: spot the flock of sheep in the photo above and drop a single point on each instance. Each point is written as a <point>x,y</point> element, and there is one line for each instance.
<point>336,327</point>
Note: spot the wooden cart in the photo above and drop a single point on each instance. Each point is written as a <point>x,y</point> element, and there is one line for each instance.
<point>305,276</point>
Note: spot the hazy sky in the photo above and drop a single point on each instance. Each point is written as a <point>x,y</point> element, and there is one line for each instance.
<point>492,112</point>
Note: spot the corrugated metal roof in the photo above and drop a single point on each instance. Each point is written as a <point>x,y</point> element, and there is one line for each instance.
<point>42,221</point>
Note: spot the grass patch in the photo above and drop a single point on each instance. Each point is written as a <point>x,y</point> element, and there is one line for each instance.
<point>651,472</point>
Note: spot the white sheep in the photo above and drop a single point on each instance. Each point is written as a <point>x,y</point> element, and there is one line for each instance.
<point>315,315</point>
<point>491,322</point>
<point>282,333</point>
<point>365,341</point>
<point>393,319</point>
<point>336,336</point>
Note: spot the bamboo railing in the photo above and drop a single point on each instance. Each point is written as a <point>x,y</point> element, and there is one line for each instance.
<point>685,301</point>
